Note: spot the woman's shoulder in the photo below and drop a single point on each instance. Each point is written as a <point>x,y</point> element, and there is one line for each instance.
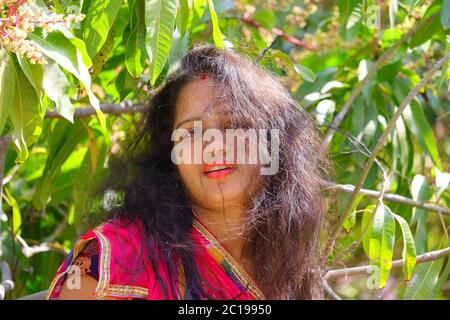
<point>123,261</point>
<point>126,231</point>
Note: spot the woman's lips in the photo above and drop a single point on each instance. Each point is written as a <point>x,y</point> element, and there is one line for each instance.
<point>218,171</point>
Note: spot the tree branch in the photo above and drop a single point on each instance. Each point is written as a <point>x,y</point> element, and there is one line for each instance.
<point>30,251</point>
<point>7,284</point>
<point>110,108</point>
<point>347,188</point>
<point>329,292</point>
<point>295,41</point>
<point>429,256</point>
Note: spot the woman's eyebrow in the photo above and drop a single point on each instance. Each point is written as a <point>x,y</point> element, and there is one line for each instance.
<point>188,120</point>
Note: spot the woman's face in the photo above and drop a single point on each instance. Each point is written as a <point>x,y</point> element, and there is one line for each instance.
<point>216,179</point>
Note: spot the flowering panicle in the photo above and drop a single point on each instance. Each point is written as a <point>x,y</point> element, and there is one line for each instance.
<point>298,15</point>
<point>19,18</point>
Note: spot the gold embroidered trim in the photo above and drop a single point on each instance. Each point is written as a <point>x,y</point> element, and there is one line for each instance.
<point>126,290</point>
<point>105,258</point>
<point>238,270</point>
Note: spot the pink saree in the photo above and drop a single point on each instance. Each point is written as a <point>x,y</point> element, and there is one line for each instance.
<point>125,271</point>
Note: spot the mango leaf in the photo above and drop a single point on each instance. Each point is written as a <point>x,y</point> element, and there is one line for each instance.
<point>306,73</point>
<point>420,191</point>
<point>418,124</point>
<point>16,221</point>
<point>445,14</point>
<point>99,20</point>
<point>424,280</point>
<point>160,17</point>
<point>442,181</point>
<point>69,54</point>
<point>382,242</point>
<point>178,50</point>
<point>267,19</point>
<point>135,53</point>
<point>324,111</point>
<point>217,34</point>
<point>62,142</point>
<point>443,278</point>
<point>198,9</point>
<point>34,74</point>
<point>406,149</point>
<point>366,220</point>
<point>7,86</point>
<point>58,88</point>
<point>183,17</point>
<point>409,248</point>
<point>26,115</point>
<point>427,32</point>
<point>125,84</point>
<point>350,221</point>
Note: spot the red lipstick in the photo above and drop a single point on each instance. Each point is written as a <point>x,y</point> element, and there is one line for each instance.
<point>218,170</point>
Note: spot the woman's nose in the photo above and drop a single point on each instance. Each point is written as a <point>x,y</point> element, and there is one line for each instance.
<point>217,151</point>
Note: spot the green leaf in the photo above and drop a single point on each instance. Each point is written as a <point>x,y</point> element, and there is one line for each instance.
<point>424,280</point>
<point>34,74</point>
<point>443,278</point>
<point>7,86</point>
<point>367,219</point>
<point>62,143</point>
<point>58,88</point>
<point>382,242</point>
<point>267,19</point>
<point>198,9</point>
<point>442,181</point>
<point>125,84</point>
<point>135,53</point>
<point>350,221</point>
<point>306,73</point>
<point>102,56</point>
<point>99,20</point>
<point>409,248</point>
<point>183,17</point>
<point>217,34</point>
<point>406,150</point>
<point>354,17</point>
<point>445,14</point>
<point>420,191</point>
<point>67,53</point>
<point>418,124</point>
<point>324,111</point>
<point>26,115</point>
<point>303,71</point>
<point>16,221</point>
<point>425,33</point>
<point>160,18</point>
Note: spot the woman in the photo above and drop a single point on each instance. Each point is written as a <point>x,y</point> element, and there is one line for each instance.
<point>216,229</point>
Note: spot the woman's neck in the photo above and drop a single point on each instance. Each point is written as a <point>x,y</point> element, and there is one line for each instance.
<point>226,228</point>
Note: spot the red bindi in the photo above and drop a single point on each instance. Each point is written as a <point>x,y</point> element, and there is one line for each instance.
<point>202,76</point>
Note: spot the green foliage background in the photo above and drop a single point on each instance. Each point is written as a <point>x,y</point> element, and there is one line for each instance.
<point>322,50</point>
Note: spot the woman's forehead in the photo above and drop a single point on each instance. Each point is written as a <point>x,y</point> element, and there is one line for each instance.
<point>198,99</point>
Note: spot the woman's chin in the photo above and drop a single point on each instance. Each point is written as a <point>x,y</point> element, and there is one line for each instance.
<point>222,194</point>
